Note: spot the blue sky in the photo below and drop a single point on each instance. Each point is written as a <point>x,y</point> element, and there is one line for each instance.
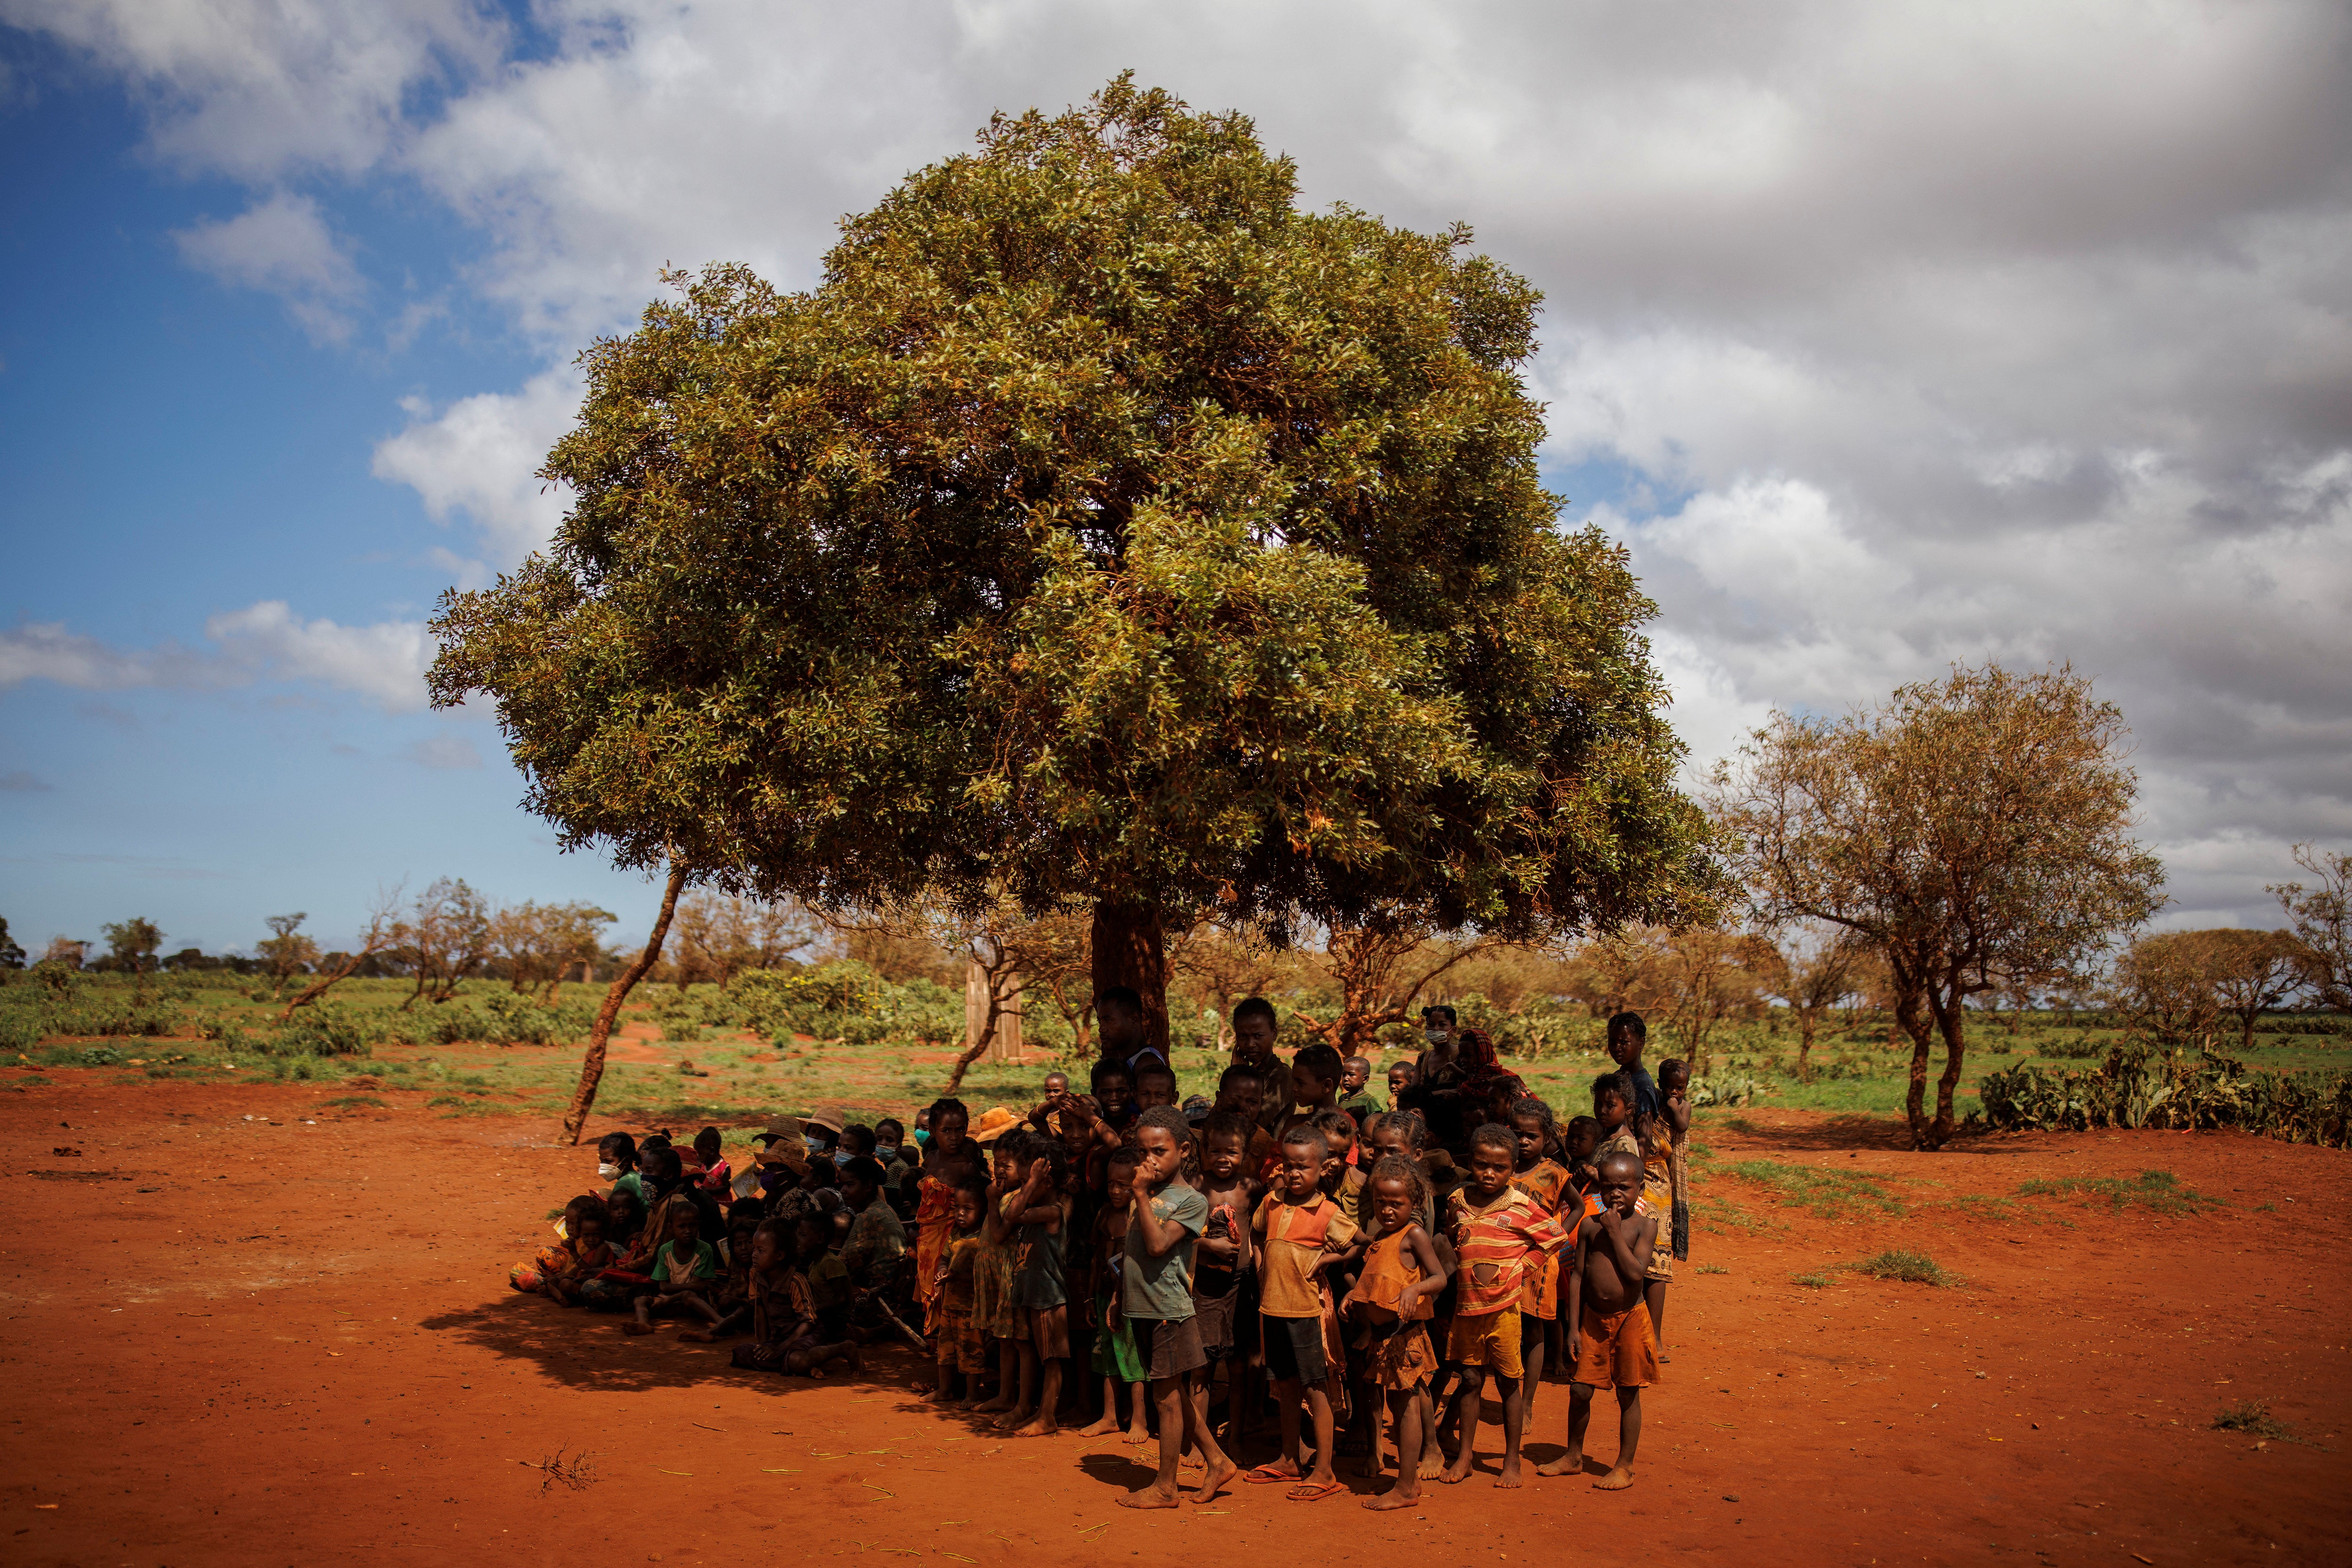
<point>1873,363</point>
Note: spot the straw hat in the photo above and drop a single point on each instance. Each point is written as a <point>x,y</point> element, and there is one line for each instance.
<point>993,1124</point>
<point>832,1118</point>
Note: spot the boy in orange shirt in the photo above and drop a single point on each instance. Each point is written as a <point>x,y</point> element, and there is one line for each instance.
<point>1497,1230</point>
<point>1301,1231</point>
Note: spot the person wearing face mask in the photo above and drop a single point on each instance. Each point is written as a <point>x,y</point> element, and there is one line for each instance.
<point>616,1163</point>
<point>824,1128</point>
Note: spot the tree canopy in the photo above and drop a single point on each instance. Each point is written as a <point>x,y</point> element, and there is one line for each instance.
<point>1101,530</point>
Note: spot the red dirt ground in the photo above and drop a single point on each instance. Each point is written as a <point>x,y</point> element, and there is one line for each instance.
<point>306,1305</point>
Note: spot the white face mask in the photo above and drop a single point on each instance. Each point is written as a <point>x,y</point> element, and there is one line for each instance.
<point>1436,1036</point>
<point>607,1170</point>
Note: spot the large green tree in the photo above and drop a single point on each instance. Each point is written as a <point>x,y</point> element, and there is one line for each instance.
<point>1102,532</point>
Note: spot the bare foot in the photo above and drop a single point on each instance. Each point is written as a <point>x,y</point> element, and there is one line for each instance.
<point>1568,1464</point>
<point>992,1406</point>
<point>1149,1497</point>
<point>1041,1426</point>
<point>1453,1477</point>
<point>1395,1496</point>
<point>1106,1425</point>
<point>1217,1482</point>
<point>696,1336</point>
<point>1509,1476</point>
<point>1012,1418</point>
<point>1374,1466</point>
<point>637,1328</point>
<point>1138,1434</point>
<point>1617,1479</point>
<point>1431,1465</point>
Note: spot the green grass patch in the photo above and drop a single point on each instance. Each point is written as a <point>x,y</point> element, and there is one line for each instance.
<point>1828,1193</point>
<point>353,1101</point>
<point>2253,1416</point>
<point>440,1100</point>
<point>2158,1192</point>
<point>1912,1267</point>
<point>1710,1268</point>
<point>1814,1281</point>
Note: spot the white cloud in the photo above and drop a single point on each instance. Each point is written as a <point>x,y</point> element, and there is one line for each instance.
<point>481,457</point>
<point>282,246</point>
<point>1943,331</point>
<point>261,89</point>
<point>264,642</point>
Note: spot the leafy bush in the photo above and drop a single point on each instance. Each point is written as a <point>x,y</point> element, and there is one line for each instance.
<point>2138,1086</point>
<point>323,1030</point>
<point>2251,1416</point>
<point>2158,1190</point>
<point>1726,1089</point>
<point>2082,1047</point>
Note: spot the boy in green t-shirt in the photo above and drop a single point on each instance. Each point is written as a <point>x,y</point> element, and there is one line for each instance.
<point>685,1268</point>
<point>1156,1298</point>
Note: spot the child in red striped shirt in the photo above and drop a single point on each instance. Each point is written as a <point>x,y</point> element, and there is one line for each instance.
<point>1497,1230</point>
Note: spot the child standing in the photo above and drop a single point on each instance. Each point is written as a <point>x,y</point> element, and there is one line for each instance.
<point>1496,1230</point>
<point>1040,1212</point>
<point>1156,1267</point>
<point>1664,1188</point>
<point>1300,1230</point>
<point>1115,1359</point>
<point>1545,1182</point>
<point>1401,1273</point>
<point>1611,1324</point>
<point>995,1310</point>
<point>1225,1266</point>
<point>959,1346</point>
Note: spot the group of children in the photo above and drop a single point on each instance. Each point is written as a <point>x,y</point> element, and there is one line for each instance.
<point>1115,1259</point>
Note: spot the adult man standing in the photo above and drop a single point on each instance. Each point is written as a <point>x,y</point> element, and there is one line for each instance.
<point>1254,1027</point>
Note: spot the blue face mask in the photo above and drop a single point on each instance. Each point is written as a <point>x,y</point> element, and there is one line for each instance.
<point>816,1145</point>
<point>885,1153</point>
<point>842,1157</point>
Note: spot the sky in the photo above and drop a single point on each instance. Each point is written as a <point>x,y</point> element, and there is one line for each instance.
<point>1883,335</point>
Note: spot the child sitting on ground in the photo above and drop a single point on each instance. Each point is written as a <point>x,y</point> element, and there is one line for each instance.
<point>731,1291</point>
<point>718,1178</point>
<point>1609,1321</point>
<point>1497,1230</point>
<point>1402,1273</point>
<point>785,1323</point>
<point>684,1268</point>
<point>559,1272</point>
<point>1301,1231</point>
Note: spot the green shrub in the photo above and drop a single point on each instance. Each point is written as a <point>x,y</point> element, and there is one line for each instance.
<point>2159,1191</point>
<point>2138,1086</point>
<point>322,1029</point>
<point>1914,1268</point>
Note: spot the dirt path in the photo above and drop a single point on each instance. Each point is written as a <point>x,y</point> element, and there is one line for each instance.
<point>288,1339</point>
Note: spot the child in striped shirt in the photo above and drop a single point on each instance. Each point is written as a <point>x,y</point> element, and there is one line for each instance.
<point>1496,1230</point>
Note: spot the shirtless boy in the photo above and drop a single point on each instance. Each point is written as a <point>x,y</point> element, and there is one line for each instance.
<point>1608,1322</point>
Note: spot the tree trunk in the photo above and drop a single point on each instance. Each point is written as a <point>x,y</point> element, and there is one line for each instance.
<point>1131,948</point>
<point>1951,1022</point>
<point>1910,1018</point>
<point>977,1046</point>
<point>1805,1046</point>
<point>592,1066</point>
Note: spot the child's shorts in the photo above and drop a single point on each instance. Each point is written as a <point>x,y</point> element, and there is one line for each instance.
<point>1294,1348</point>
<point>1048,1328</point>
<point>1116,1356</point>
<point>957,1338</point>
<point>1404,1360</point>
<point>1618,1350</point>
<point>1490,1340</point>
<point>1218,1318</point>
<point>1169,1347</point>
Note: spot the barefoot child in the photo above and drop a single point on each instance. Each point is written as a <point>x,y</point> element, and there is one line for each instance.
<point>1607,1319</point>
<point>1156,1266</point>
<point>684,1271</point>
<point>1115,1359</point>
<point>559,1272</point>
<point>1301,1231</point>
<point>959,1346</point>
<point>1225,1265</point>
<point>1401,1273</point>
<point>731,1286</point>
<point>1041,1211</point>
<point>1664,1189</point>
<point>994,1312</point>
<point>1544,1180</point>
<point>1497,1230</point>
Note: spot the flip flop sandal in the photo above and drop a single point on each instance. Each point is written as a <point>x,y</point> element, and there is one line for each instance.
<point>1267,1475</point>
<point>1310,1492</point>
